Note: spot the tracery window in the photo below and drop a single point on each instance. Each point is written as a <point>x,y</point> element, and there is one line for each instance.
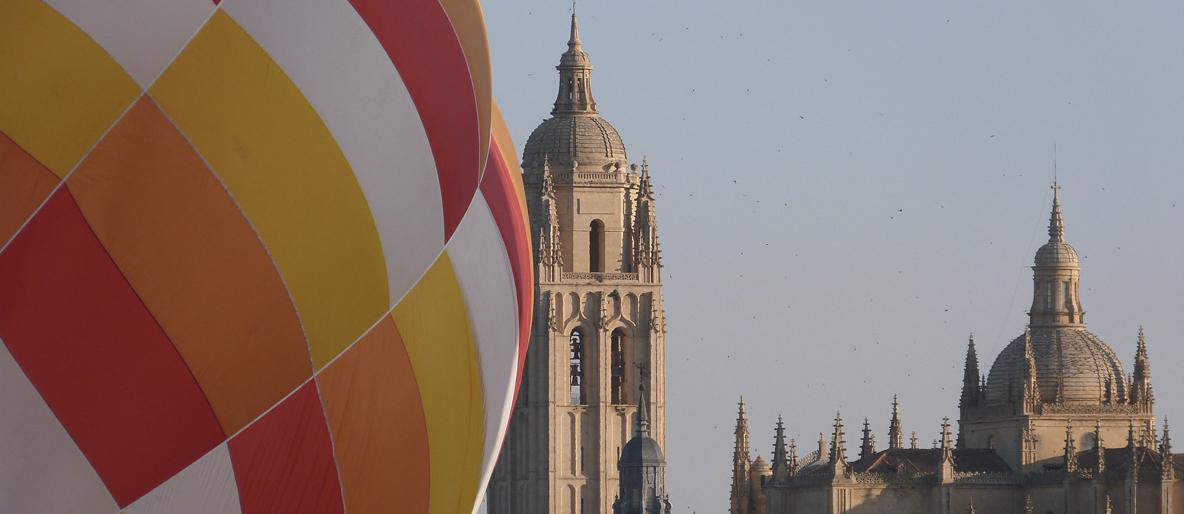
<point>577,368</point>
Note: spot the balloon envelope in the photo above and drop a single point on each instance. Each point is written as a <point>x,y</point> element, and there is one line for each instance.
<point>255,256</point>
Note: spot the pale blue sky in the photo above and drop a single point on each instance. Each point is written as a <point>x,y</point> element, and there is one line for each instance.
<point>848,189</point>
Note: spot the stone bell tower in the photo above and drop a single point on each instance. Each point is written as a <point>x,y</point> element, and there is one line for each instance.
<point>598,336</point>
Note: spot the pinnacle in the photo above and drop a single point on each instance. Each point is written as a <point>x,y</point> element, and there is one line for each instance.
<point>1056,226</point>
<point>574,40</point>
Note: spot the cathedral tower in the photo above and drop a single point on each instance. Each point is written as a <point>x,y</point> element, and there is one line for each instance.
<point>598,337</point>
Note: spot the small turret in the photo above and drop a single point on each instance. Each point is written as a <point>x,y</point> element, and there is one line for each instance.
<point>1165,451</point>
<point>1100,447</point>
<point>1132,457</point>
<point>947,452</point>
<point>1141,395</point>
<point>838,448</point>
<point>867,446</point>
<point>781,465</point>
<point>741,463</point>
<point>793,457</point>
<point>1070,449</point>
<point>895,436</point>
<point>1031,393</point>
<point>822,453</point>
<point>642,470</point>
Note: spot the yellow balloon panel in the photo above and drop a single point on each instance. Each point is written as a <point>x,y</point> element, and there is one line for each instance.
<point>61,91</point>
<point>436,332</point>
<point>283,168</point>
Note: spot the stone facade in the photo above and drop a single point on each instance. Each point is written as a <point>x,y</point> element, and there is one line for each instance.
<point>1054,427</point>
<point>598,337</point>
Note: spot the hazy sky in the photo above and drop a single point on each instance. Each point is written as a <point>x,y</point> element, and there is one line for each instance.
<point>847,190</point>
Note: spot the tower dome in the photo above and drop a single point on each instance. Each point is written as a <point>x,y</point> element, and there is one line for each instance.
<point>1070,364</point>
<point>575,136</point>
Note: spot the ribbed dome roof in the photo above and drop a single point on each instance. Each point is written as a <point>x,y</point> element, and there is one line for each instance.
<point>589,140</point>
<point>1056,252</point>
<point>760,466</point>
<point>642,450</point>
<point>1069,356</point>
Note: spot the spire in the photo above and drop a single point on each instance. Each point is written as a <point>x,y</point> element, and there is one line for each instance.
<point>643,418</point>
<point>1165,451</point>
<point>1070,449</point>
<point>1165,446</point>
<point>742,435</point>
<point>575,87</point>
<point>838,449</point>
<point>781,465</point>
<point>742,464</point>
<point>947,453</point>
<point>1141,378</point>
<point>1100,447</point>
<point>971,509</point>
<point>894,433</point>
<point>1056,226</point>
<point>1028,504</point>
<point>914,440</point>
<point>647,255</point>
<point>970,385</point>
<point>947,450</point>
<point>868,444</point>
<point>573,42</point>
<point>822,454</point>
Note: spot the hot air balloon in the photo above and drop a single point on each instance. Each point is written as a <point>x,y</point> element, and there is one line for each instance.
<point>255,256</point>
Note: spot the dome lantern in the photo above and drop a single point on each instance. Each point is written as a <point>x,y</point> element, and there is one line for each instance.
<point>1055,300</point>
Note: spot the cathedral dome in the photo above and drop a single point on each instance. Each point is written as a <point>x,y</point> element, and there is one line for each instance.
<point>587,140</point>
<point>1056,252</point>
<point>1072,365</point>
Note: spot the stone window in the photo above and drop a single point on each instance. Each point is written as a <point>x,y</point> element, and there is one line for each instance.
<point>577,368</point>
<point>1048,295</point>
<point>1067,304</point>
